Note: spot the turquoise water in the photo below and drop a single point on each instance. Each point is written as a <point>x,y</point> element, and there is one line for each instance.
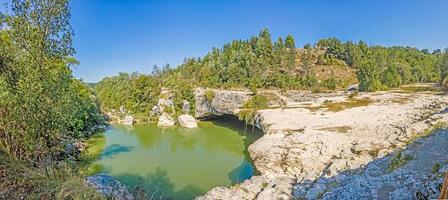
<point>176,163</point>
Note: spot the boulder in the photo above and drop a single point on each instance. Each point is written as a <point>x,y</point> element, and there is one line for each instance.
<point>156,110</point>
<point>165,121</point>
<point>353,88</point>
<point>108,186</point>
<point>186,107</point>
<point>187,121</point>
<point>128,120</point>
<point>122,109</point>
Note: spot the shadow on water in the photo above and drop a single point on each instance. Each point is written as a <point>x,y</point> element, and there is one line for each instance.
<point>114,149</point>
<point>250,133</point>
<point>243,172</point>
<point>158,186</point>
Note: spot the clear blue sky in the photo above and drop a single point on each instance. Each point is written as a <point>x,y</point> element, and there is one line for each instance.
<point>114,36</point>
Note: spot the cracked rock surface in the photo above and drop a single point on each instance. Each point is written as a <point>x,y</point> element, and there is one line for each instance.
<point>308,142</point>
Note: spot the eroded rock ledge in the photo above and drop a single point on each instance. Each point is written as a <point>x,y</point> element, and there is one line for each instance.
<point>316,137</point>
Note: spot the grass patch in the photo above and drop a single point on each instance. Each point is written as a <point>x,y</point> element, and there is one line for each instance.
<point>415,89</point>
<point>343,105</point>
<point>401,100</point>
<point>436,167</point>
<point>427,132</point>
<point>22,181</point>
<point>374,152</point>
<point>399,160</point>
<point>338,129</point>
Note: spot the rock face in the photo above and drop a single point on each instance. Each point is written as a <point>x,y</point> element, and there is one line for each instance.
<point>109,187</point>
<point>322,137</point>
<point>186,107</point>
<point>128,120</point>
<point>418,178</point>
<point>165,121</point>
<point>224,102</point>
<point>164,104</point>
<point>187,121</point>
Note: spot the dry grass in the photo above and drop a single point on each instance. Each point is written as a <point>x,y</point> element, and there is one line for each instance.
<point>21,181</point>
<point>343,105</point>
<point>409,89</point>
<point>402,100</point>
<point>338,129</point>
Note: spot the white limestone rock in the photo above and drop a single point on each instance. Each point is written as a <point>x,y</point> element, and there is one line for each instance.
<point>187,121</point>
<point>128,120</point>
<point>166,121</point>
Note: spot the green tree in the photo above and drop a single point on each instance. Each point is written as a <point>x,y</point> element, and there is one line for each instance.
<point>442,64</point>
<point>289,42</point>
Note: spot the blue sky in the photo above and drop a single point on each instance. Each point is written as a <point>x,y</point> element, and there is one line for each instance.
<point>114,36</point>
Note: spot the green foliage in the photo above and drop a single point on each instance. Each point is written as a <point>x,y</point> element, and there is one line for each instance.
<point>442,64</point>
<point>369,77</point>
<point>399,160</point>
<point>380,67</point>
<point>331,83</point>
<point>209,95</point>
<point>138,93</point>
<point>256,102</point>
<point>19,180</point>
<point>444,85</point>
<point>436,168</point>
<point>41,103</point>
<point>289,42</point>
<point>251,107</point>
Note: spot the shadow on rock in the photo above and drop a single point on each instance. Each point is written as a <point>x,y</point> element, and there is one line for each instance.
<point>415,172</point>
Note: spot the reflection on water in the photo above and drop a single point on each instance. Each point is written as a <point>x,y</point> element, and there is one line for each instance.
<point>176,163</point>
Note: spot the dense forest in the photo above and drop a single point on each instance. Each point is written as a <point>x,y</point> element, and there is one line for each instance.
<point>43,108</point>
<point>260,63</point>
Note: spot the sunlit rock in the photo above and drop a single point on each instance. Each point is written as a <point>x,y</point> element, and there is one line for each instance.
<point>128,120</point>
<point>165,121</point>
<point>187,121</point>
<point>186,107</point>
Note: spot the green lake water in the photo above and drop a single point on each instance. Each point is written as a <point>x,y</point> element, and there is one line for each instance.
<point>175,163</point>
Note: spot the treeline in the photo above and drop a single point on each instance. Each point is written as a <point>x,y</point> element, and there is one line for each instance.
<point>259,63</point>
<point>42,106</point>
<point>255,63</point>
<point>380,68</point>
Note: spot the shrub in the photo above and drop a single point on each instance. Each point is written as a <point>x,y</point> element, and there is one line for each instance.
<point>209,95</point>
<point>444,85</point>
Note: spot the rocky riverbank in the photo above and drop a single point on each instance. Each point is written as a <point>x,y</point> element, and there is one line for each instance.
<point>319,136</point>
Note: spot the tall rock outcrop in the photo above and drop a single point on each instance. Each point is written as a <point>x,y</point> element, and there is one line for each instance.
<point>223,102</point>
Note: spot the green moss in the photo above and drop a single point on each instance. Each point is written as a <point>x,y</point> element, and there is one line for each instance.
<point>399,160</point>
<point>209,95</point>
<point>436,167</point>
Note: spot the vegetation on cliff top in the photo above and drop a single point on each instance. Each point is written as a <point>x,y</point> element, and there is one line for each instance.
<point>259,63</point>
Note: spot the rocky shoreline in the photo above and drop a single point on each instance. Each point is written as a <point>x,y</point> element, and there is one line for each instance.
<point>334,145</point>
<point>324,136</point>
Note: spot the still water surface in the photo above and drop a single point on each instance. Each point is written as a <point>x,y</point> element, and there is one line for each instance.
<point>176,163</point>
